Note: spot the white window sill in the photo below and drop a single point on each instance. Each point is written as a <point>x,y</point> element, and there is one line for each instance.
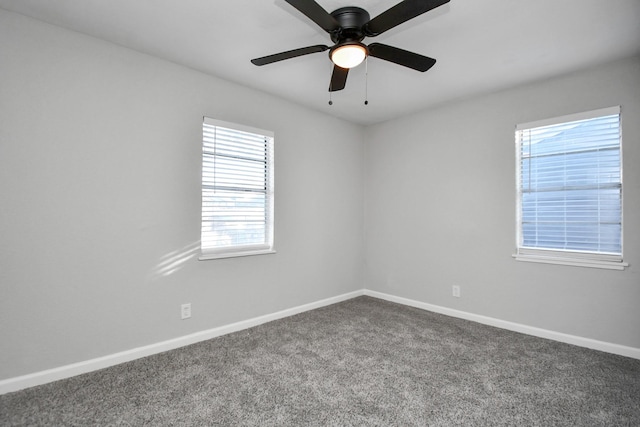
<point>575,262</point>
<point>220,255</point>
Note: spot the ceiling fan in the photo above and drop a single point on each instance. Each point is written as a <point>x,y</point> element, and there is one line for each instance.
<point>348,26</point>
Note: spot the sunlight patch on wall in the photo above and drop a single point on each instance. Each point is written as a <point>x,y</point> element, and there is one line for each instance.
<point>173,261</point>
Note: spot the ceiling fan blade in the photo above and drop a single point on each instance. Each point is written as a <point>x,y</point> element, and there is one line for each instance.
<point>316,13</point>
<point>289,54</point>
<point>338,78</point>
<point>401,12</point>
<point>401,57</point>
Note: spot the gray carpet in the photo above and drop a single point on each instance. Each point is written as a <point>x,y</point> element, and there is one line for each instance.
<point>363,362</point>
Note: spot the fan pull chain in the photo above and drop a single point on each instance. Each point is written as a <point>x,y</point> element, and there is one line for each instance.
<point>330,84</point>
<point>366,81</point>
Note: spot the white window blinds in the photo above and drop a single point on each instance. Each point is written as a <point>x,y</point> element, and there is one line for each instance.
<point>237,190</point>
<point>570,186</point>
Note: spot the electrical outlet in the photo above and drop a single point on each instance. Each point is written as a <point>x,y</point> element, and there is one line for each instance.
<point>185,310</point>
<point>456,291</point>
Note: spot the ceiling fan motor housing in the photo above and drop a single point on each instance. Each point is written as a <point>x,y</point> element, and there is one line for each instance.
<point>351,20</point>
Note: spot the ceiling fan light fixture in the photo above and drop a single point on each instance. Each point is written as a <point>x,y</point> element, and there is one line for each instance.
<point>348,55</point>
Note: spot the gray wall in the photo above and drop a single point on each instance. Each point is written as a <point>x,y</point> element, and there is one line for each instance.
<point>440,210</point>
<point>100,204</point>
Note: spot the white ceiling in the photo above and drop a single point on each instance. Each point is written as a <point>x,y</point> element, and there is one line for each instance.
<point>481,46</point>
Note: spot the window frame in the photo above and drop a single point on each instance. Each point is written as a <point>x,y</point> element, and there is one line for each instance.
<point>558,256</point>
<point>212,252</point>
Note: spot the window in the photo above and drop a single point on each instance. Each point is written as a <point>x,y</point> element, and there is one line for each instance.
<point>569,184</point>
<point>237,190</point>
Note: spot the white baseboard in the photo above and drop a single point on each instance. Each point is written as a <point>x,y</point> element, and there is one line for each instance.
<point>67,371</point>
<point>516,327</point>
